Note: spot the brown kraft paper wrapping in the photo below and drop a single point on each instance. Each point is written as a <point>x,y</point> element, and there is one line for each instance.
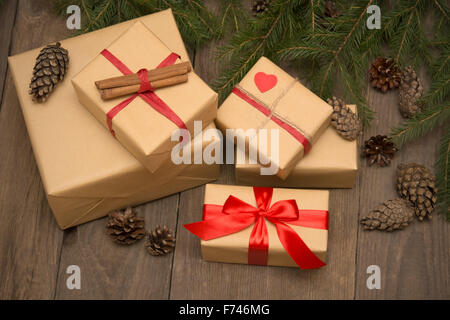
<point>84,170</point>
<point>138,127</point>
<point>297,105</point>
<point>233,248</point>
<point>332,163</point>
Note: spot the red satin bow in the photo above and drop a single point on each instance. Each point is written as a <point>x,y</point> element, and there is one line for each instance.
<point>236,215</point>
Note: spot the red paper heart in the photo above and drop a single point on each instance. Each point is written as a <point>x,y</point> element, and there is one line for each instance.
<point>264,81</point>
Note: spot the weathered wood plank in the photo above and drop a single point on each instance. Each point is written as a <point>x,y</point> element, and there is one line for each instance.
<point>7,17</point>
<point>30,241</point>
<point>112,271</point>
<point>414,262</point>
<point>208,280</point>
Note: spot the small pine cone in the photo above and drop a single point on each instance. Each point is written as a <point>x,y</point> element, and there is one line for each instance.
<point>389,216</point>
<point>331,10</point>
<point>384,75</point>
<point>411,90</point>
<point>417,184</point>
<point>260,7</point>
<point>50,67</point>
<point>160,241</point>
<point>380,150</point>
<point>125,227</point>
<point>344,120</point>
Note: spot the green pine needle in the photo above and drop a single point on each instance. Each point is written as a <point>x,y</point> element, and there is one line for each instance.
<point>421,124</point>
<point>196,23</point>
<point>442,175</point>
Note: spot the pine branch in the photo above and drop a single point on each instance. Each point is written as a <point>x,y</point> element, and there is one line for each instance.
<point>332,45</point>
<point>196,23</point>
<point>421,124</point>
<point>442,175</point>
<point>259,38</point>
<point>232,16</point>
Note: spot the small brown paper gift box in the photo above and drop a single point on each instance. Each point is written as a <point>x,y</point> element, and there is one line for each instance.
<point>85,172</point>
<point>139,127</point>
<point>332,163</point>
<point>234,248</point>
<point>285,100</point>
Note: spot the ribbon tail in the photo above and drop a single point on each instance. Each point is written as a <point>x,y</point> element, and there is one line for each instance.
<point>258,245</point>
<point>296,248</point>
<point>220,226</point>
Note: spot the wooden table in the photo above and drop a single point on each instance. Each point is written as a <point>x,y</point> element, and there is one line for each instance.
<point>35,253</point>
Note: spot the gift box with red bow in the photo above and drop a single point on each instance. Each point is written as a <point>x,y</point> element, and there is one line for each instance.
<point>144,122</point>
<point>332,163</point>
<point>85,172</point>
<point>269,98</point>
<point>264,226</point>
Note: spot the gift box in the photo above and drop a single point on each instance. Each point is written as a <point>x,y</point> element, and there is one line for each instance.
<point>85,171</point>
<point>143,123</point>
<point>264,226</point>
<point>269,98</point>
<point>332,163</point>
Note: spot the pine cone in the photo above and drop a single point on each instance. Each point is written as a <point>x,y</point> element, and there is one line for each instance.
<point>260,7</point>
<point>411,90</point>
<point>344,120</point>
<point>417,184</point>
<point>390,216</point>
<point>160,241</point>
<point>380,150</point>
<point>331,10</point>
<point>125,227</point>
<point>384,74</point>
<point>50,67</point>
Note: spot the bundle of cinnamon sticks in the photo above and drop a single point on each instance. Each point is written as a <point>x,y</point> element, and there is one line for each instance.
<point>161,77</point>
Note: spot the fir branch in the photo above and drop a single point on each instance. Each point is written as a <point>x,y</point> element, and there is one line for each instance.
<point>442,8</point>
<point>344,43</point>
<point>196,23</point>
<point>332,47</point>
<point>405,30</point>
<point>232,16</point>
<point>421,124</point>
<point>259,38</point>
<point>442,175</point>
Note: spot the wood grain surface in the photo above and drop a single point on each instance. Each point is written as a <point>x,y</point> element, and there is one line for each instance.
<point>35,253</point>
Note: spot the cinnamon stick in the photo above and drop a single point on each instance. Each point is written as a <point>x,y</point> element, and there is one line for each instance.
<point>112,93</point>
<point>153,75</point>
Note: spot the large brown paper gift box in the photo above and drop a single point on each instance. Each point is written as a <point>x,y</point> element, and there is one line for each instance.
<point>289,101</point>
<point>233,248</point>
<point>85,172</point>
<point>332,163</point>
<point>139,127</point>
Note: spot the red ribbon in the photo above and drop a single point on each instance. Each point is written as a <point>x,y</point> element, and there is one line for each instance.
<point>145,91</point>
<point>236,215</point>
<point>264,110</point>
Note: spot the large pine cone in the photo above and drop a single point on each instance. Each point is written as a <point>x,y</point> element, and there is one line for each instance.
<point>380,150</point>
<point>344,120</point>
<point>384,75</point>
<point>411,90</point>
<point>391,215</point>
<point>417,184</point>
<point>50,67</point>
<point>125,227</point>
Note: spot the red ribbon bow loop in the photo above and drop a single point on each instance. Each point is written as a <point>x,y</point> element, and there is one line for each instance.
<point>236,215</point>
